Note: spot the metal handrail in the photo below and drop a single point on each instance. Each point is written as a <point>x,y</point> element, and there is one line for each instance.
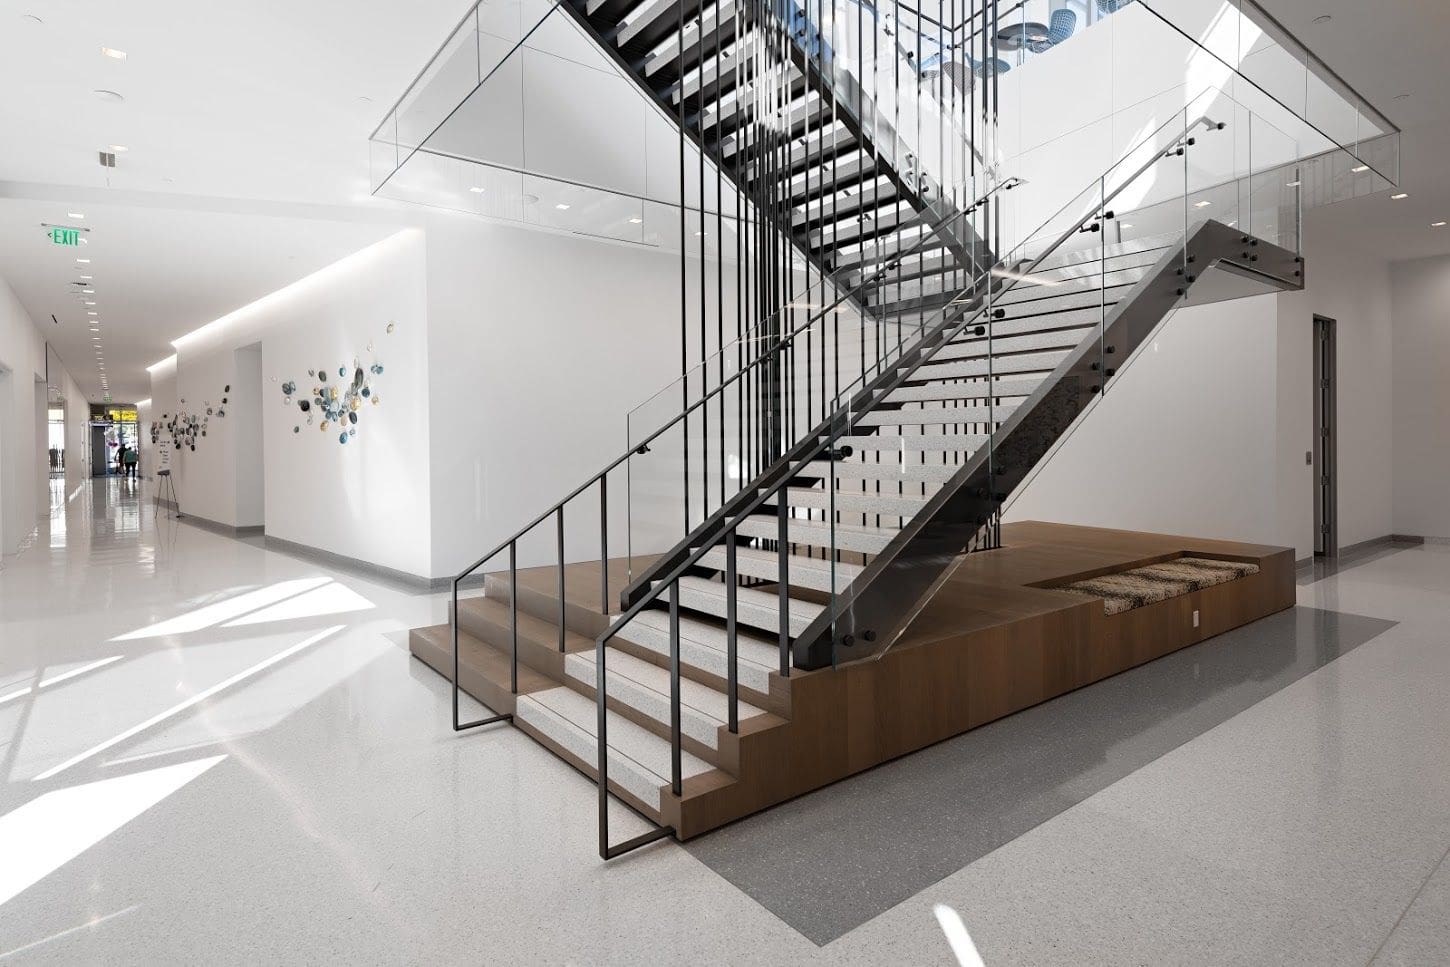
<point>820,440</point>
<point>601,478</point>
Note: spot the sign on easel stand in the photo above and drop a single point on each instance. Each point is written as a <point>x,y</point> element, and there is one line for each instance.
<point>164,483</point>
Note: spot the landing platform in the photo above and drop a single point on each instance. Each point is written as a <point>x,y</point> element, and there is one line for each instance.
<point>999,635</point>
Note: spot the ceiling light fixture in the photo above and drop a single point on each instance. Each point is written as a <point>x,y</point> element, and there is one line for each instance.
<point>113,53</point>
<point>85,278</point>
<point>90,303</point>
<point>1202,204</point>
<point>106,95</point>
<point>636,221</point>
<point>1437,224</point>
<point>562,207</point>
<point>1323,18</point>
<point>84,261</point>
<point>476,189</point>
<point>77,215</point>
<point>1403,194</point>
<point>1293,184</point>
<point>118,148</point>
<point>1358,168</point>
<point>89,291</point>
<point>1125,224</point>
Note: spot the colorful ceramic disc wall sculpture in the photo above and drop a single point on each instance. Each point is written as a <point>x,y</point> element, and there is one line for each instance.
<point>336,403</point>
<point>186,427</point>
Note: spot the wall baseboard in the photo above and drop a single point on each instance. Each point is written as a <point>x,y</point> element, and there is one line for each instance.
<point>1385,541</point>
<point>363,568</point>
<point>1420,539</point>
<point>206,523</point>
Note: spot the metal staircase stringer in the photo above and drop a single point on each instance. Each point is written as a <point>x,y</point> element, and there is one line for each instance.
<point>870,614</point>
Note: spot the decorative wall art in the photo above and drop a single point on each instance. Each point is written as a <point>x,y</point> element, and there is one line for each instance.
<point>336,404</point>
<point>184,427</point>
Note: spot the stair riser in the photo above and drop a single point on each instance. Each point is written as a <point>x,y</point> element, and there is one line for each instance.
<point>538,655</point>
<point>544,605</point>
<point>748,614</point>
<point>500,700</point>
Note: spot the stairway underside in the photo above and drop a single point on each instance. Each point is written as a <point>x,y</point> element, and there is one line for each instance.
<point>994,641</point>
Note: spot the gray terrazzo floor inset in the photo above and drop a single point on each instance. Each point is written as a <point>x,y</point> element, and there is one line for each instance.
<point>832,860</point>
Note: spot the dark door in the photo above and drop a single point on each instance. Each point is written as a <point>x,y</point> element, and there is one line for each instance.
<point>1326,468</point>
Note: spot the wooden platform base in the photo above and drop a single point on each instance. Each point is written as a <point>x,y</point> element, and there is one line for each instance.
<point>998,637</point>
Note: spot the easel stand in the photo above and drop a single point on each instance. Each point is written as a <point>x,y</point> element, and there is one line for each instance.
<point>165,486</point>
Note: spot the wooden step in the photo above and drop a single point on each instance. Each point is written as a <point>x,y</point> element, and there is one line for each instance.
<point>483,670</point>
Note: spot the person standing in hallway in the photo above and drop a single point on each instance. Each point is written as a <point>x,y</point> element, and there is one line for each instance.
<point>129,458</point>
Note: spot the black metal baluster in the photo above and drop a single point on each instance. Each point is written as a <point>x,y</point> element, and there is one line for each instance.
<point>559,532</point>
<point>676,769</point>
<point>732,663</point>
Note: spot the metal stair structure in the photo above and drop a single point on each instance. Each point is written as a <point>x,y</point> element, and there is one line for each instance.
<point>675,688</point>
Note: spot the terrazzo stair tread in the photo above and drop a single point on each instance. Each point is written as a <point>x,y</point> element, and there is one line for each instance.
<point>1080,318</point>
<point>758,609</point>
<point>893,505</point>
<point>844,537</point>
<point>945,392</point>
<point>645,687</point>
<point>488,618</point>
<point>639,18</point>
<point>890,442</point>
<point>980,346</point>
<point>804,572</point>
<point>1004,365</point>
<point>639,760</point>
<point>885,471</point>
<point>935,415</point>
<point>703,646</point>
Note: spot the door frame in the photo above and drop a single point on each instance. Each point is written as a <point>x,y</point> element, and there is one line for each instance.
<point>1326,440</point>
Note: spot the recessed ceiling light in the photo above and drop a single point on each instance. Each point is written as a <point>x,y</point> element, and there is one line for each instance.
<point>1403,194</point>
<point>1126,224</point>
<point>476,189</point>
<point>84,261</point>
<point>1401,97</point>
<point>562,207</point>
<point>1202,204</point>
<point>636,221</point>
<point>90,313</point>
<point>85,278</point>
<point>1437,224</point>
<point>1323,18</point>
<point>530,199</point>
<point>113,53</point>
<point>118,148</point>
<point>74,215</point>
<point>106,95</point>
<point>1293,184</point>
<point>1359,168</point>
<point>90,303</point>
<point>89,291</point>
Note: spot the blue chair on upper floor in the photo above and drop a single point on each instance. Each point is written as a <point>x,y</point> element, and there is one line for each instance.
<point>1106,7</point>
<point>1063,23</point>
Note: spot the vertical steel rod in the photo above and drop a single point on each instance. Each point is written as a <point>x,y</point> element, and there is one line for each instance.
<point>732,664</point>
<point>783,583</point>
<point>604,544</point>
<point>676,766</point>
<point>514,617</point>
<point>559,534</point>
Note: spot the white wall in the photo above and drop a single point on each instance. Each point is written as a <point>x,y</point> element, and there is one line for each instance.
<point>1176,444</point>
<point>366,499</point>
<point>1205,433</point>
<point>1353,288</point>
<point>539,345</point>
<point>1421,360</point>
<point>22,363</point>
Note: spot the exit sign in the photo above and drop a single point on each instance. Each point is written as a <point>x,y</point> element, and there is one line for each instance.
<point>65,236</point>
<point>107,398</point>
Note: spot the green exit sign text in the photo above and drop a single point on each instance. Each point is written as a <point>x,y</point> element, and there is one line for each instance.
<point>65,236</point>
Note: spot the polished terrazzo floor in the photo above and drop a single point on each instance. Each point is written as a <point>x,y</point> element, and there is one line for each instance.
<point>215,753</point>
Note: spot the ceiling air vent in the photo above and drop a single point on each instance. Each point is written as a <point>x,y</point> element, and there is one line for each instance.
<point>108,159</point>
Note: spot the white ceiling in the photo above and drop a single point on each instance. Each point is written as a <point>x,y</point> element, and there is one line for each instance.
<point>247,125</point>
<point>1384,50</point>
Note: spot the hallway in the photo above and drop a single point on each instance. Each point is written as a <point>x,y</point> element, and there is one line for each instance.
<point>215,752</point>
